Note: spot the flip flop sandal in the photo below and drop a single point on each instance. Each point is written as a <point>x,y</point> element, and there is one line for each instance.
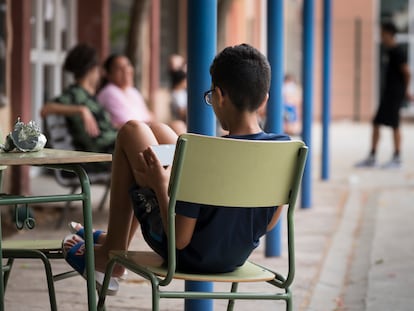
<point>74,253</point>
<point>124,276</point>
<point>96,234</point>
<point>81,232</point>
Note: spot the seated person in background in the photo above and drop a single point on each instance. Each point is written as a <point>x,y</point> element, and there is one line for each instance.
<point>240,85</point>
<point>175,63</point>
<point>121,99</point>
<point>179,95</point>
<point>292,97</point>
<point>88,122</point>
<point>118,95</point>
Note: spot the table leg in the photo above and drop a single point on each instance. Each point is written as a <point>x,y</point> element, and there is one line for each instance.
<point>1,251</point>
<point>2,273</point>
<point>87,221</point>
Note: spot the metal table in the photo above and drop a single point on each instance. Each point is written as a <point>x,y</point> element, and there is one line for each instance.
<point>70,161</point>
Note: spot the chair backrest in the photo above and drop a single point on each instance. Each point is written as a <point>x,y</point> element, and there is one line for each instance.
<point>57,132</point>
<point>59,137</point>
<point>232,172</point>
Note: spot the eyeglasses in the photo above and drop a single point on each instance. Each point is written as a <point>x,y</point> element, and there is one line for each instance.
<point>208,96</point>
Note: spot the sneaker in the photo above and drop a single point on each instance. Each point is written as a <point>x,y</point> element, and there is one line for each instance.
<point>393,163</point>
<point>368,162</point>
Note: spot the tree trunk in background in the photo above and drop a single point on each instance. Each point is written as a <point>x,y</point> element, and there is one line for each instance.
<point>139,11</point>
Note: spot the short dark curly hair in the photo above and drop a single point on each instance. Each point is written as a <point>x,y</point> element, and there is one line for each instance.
<point>243,73</point>
<point>80,60</point>
<point>389,27</point>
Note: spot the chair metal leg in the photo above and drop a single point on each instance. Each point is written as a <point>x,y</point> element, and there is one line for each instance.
<point>2,271</point>
<point>46,263</point>
<point>104,287</point>
<point>6,272</point>
<point>65,275</point>
<point>289,302</point>
<point>155,296</point>
<point>50,283</point>
<point>230,305</point>
<point>289,305</point>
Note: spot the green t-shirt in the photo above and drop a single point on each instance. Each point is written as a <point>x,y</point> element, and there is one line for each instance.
<point>105,142</point>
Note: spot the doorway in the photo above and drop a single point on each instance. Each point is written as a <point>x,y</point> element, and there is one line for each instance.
<point>53,33</point>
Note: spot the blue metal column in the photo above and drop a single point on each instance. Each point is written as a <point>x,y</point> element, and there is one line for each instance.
<point>274,119</point>
<point>326,86</point>
<point>202,37</point>
<point>202,46</point>
<point>307,76</point>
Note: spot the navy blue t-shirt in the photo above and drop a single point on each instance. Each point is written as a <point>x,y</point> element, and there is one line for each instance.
<point>224,238</point>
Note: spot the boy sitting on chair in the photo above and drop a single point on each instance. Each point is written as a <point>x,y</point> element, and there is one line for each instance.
<point>204,236</point>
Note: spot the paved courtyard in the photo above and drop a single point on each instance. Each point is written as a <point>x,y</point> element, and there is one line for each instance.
<point>353,246</point>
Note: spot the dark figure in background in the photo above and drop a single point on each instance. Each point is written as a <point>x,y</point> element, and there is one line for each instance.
<point>394,92</point>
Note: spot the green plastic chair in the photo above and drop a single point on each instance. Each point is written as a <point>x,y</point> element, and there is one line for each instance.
<point>33,249</point>
<point>36,249</point>
<point>224,172</point>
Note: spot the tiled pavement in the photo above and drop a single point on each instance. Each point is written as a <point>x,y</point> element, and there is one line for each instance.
<point>353,245</point>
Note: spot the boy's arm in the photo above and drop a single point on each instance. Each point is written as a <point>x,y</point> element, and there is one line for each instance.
<point>89,122</point>
<point>157,178</point>
<point>184,229</point>
<point>275,218</point>
<point>184,226</point>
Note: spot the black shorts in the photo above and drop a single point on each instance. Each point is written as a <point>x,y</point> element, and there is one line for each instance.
<point>388,114</point>
<point>147,211</point>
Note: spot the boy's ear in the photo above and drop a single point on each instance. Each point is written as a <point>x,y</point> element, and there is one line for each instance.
<point>219,91</point>
<point>264,103</point>
<point>262,108</point>
<point>220,96</point>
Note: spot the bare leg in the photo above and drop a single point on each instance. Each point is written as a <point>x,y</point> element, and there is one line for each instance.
<point>133,138</point>
<point>164,135</point>
<point>178,126</point>
<point>375,138</point>
<point>397,140</point>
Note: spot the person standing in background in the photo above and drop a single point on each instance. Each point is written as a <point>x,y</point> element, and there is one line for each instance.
<point>394,93</point>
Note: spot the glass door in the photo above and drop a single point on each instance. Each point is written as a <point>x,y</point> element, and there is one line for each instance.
<point>53,33</point>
